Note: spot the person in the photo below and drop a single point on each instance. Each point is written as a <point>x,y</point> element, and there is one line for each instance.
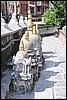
<point>11,9</point>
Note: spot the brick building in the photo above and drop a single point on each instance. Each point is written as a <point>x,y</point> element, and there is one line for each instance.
<point>37,7</point>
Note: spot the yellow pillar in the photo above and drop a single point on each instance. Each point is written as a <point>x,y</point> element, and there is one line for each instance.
<point>26,35</point>
<point>37,28</point>
<point>30,24</point>
<point>34,30</point>
<point>21,46</point>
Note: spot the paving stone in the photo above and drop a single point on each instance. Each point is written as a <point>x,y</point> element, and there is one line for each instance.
<point>59,92</point>
<point>59,77</point>
<point>60,83</point>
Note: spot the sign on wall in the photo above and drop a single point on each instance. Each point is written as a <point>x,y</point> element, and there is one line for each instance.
<point>38,3</point>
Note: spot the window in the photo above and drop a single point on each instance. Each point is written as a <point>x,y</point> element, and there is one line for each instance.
<point>42,9</point>
<point>42,1</point>
<point>46,8</point>
<point>24,8</point>
<point>32,9</point>
<point>47,2</point>
<point>38,3</point>
<point>38,8</point>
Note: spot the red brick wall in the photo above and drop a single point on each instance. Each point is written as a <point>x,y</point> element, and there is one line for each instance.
<point>62,36</point>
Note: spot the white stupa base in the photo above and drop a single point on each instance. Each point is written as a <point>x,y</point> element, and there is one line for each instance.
<point>13,19</point>
<point>5,25</point>
<point>2,21</point>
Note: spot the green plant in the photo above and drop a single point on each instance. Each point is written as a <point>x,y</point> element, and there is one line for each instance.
<point>60,10</point>
<point>49,17</point>
<point>64,28</point>
<point>56,14</point>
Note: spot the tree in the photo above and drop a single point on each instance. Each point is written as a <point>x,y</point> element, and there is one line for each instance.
<point>56,14</point>
<point>60,7</point>
<point>49,17</point>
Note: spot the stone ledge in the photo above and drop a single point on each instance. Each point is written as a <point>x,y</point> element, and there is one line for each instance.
<point>5,81</point>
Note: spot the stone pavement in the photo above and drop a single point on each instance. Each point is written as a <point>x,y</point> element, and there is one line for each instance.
<point>52,81</point>
<point>54,52</point>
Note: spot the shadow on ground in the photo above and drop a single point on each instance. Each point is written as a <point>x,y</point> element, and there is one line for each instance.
<point>49,52</point>
<point>43,81</point>
<point>50,64</point>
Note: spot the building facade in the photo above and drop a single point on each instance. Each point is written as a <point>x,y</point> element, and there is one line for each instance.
<point>37,7</point>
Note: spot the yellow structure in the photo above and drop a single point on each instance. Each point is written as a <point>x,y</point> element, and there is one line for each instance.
<point>37,28</point>
<point>30,24</point>
<point>26,35</point>
<point>34,30</point>
<point>21,46</point>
